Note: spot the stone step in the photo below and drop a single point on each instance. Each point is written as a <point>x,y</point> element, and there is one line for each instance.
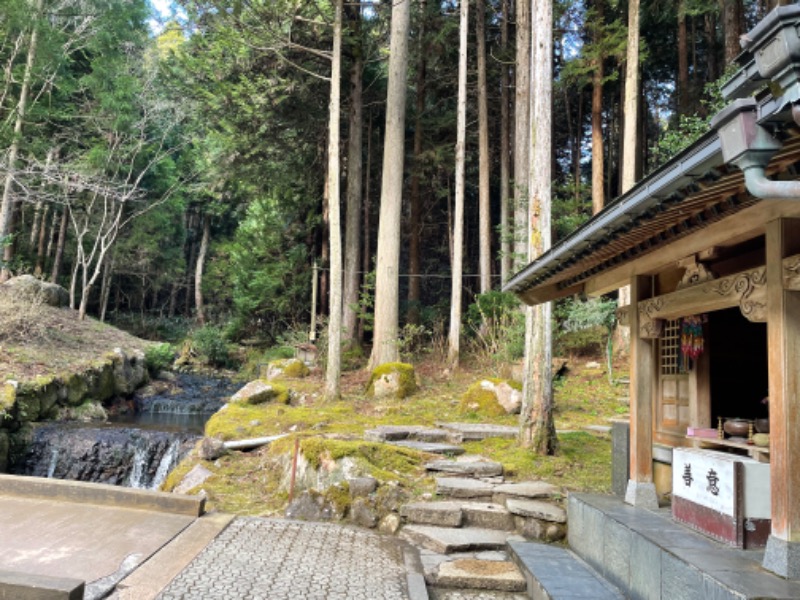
<point>461,487</point>
<point>467,465</point>
<point>537,509</point>
<point>430,447</point>
<point>525,489</point>
<point>478,431</point>
<point>487,516</point>
<point>555,573</point>
<point>446,513</point>
<point>447,540</point>
<point>441,593</point>
<point>476,574</point>
<point>454,513</point>
<point>393,433</point>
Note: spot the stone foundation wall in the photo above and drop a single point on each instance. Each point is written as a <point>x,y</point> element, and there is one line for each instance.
<point>74,396</point>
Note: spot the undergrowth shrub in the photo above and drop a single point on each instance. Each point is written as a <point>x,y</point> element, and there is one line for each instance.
<point>209,343</point>
<point>159,357</point>
<point>497,327</point>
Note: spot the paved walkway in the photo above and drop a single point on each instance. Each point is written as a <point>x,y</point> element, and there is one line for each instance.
<point>284,560</point>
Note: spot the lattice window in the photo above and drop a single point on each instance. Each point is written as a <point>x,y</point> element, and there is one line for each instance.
<point>671,363</point>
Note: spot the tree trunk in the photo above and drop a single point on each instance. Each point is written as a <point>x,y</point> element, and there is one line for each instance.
<point>366,254</point>
<point>631,107</point>
<point>598,166</point>
<point>454,336</point>
<point>537,426</point>
<point>62,239</point>
<point>8,202</point>
<point>683,61</point>
<point>485,225</point>
<point>42,242</point>
<point>384,348</point>
<point>105,285</point>
<point>522,134</point>
<point>352,244</point>
<point>710,33</point>
<point>506,235</point>
<point>334,367</point>
<point>198,271</point>
<point>415,219</point>
<point>733,27</point>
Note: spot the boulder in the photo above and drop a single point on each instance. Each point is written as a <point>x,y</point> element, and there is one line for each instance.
<point>211,448</point>
<point>130,371</point>
<point>259,391</point>
<point>362,514</point>
<point>392,380</point>
<point>493,397</point>
<point>29,289</point>
<point>310,506</point>
<point>289,368</point>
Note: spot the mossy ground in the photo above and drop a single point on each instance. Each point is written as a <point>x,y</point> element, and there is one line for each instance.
<point>247,482</point>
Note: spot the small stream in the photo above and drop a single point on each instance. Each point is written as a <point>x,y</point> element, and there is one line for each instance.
<point>145,437</point>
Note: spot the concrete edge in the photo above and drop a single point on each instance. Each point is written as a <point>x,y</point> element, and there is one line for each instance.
<point>155,574</point>
<point>27,586</point>
<point>102,494</point>
<point>415,577</point>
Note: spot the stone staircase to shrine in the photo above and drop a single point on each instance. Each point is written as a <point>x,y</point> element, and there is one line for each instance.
<point>484,534</point>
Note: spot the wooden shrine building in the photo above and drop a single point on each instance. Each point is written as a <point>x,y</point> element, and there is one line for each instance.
<point>711,240</point>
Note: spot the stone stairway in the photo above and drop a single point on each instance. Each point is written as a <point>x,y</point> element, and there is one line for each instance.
<point>482,537</point>
<point>463,537</point>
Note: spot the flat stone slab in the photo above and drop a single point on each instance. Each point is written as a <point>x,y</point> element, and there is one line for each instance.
<point>528,489</point>
<point>559,574</point>
<point>502,576</point>
<point>487,515</point>
<point>393,433</point>
<point>446,540</point>
<point>481,431</point>
<point>447,513</point>
<point>458,487</point>
<point>537,509</point>
<point>430,447</point>
<point>471,466</point>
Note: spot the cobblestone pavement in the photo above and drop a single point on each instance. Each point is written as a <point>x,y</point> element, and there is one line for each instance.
<point>288,560</point>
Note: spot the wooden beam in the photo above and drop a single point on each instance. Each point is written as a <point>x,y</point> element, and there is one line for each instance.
<point>642,387</point>
<point>783,338</point>
<point>535,296</point>
<point>747,290</point>
<point>742,226</point>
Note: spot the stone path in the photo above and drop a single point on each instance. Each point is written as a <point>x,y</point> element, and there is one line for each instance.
<point>285,560</point>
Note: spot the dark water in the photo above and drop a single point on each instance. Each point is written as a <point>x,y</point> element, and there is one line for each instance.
<point>145,438</point>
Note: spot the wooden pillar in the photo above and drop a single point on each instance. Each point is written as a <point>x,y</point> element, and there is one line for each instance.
<point>783,336</point>
<point>641,489</point>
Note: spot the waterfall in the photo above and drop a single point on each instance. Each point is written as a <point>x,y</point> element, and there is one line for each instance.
<point>137,449</point>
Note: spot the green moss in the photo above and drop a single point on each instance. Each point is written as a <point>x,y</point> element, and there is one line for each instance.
<point>482,401</point>
<point>291,368</point>
<point>407,382</point>
<point>339,497</point>
<point>178,473</point>
<point>77,389</point>
<point>384,462</point>
<point>8,395</point>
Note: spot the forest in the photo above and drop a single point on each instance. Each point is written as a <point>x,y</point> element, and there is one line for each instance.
<point>217,164</point>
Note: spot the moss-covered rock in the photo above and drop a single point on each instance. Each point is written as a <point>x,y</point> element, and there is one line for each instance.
<point>101,382</point>
<point>492,397</point>
<point>76,388</point>
<point>8,395</point>
<point>396,380</point>
<point>88,411</point>
<point>287,368</point>
<point>259,391</point>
